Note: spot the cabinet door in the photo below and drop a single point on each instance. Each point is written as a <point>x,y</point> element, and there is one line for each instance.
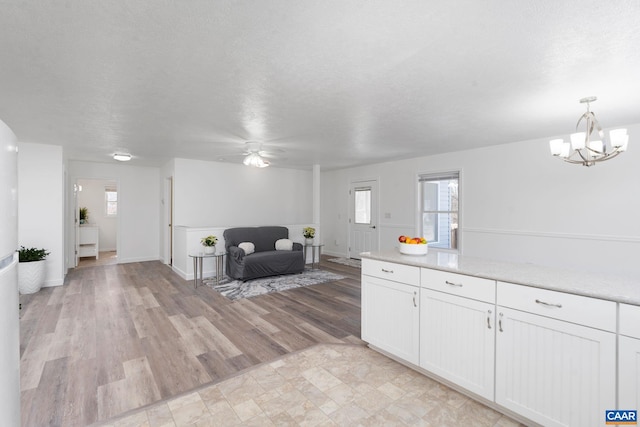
<point>629,373</point>
<point>457,337</point>
<point>553,372</point>
<point>391,317</point>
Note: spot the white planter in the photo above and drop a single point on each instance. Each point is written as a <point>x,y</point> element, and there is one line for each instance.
<point>209,249</point>
<point>308,241</point>
<point>31,276</point>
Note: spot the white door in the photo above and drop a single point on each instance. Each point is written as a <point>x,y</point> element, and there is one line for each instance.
<point>553,372</point>
<point>363,218</point>
<point>391,317</point>
<point>629,375</point>
<point>76,224</point>
<point>457,337</point>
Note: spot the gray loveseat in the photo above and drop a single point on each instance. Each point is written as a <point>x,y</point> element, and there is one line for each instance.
<point>266,260</point>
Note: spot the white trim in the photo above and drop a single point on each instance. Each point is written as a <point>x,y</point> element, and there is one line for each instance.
<point>554,235</point>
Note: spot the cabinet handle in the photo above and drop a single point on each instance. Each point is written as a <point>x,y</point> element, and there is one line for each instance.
<point>414,299</point>
<point>459,285</point>
<point>387,271</point>
<point>548,304</point>
<point>500,322</point>
<point>489,319</point>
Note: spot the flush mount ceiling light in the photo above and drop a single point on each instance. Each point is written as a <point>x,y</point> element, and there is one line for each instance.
<point>122,157</point>
<point>255,160</point>
<point>582,149</point>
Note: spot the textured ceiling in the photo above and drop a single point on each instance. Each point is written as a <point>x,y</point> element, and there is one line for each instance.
<point>335,83</point>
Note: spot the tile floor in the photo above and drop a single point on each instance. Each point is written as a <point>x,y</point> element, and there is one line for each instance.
<point>325,385</point>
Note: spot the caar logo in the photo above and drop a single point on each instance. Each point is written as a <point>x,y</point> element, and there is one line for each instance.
<point>621,417</point>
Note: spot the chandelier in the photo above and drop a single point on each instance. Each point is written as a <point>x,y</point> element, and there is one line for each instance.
<point>582,149</point>
<point>254,159</point>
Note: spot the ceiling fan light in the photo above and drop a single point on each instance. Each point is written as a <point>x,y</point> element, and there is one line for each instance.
<point>255,161</point>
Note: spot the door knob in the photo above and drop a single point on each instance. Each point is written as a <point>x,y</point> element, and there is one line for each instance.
<point>372,226</point>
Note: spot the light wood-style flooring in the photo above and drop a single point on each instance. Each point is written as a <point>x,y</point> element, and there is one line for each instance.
<point>118,337</point>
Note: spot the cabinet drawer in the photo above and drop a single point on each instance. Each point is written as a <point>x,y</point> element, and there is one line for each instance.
<point>577,309</point>
<point>391,271</point>
<point>459,284</point>
<point>630,320</point>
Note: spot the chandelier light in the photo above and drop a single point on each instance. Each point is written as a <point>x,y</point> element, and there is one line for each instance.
<point>254,159</point>
<point>585,151</point>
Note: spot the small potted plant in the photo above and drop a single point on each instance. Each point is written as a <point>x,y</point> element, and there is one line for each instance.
<point>209,244</point>
<point>84,215</point>
<point>309,233</point>
<point>31,269</point>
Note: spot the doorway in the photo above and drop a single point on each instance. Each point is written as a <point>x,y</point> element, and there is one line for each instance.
<point>167,202</point>
<point>363,217</point>
<point>96,224</point>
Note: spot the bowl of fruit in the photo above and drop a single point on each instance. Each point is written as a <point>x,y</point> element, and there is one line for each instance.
<point>413,246</point>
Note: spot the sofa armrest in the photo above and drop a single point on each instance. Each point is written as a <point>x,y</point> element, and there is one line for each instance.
<point>236,253</point>
<point>297,246</point>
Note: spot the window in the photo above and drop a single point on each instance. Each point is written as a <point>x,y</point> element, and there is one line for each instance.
<point>363,205</point>
<point>439,209</point>
<point>111,201</point>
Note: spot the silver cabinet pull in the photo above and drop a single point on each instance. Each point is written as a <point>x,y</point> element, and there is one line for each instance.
<point>489,319</point>
<point>387,271</point>
<point>414,298</point>
<point>500,322</point>
<point>548,304</point>
<point>459,285</point>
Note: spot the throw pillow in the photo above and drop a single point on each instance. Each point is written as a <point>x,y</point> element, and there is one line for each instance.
<point>284,245</point>
<point>247,247</point>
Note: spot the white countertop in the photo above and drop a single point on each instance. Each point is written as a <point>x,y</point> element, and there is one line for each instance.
<point>610,287</point>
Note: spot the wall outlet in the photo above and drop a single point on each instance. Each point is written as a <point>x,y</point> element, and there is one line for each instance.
<point>387,215</point>
<point>337,242</point>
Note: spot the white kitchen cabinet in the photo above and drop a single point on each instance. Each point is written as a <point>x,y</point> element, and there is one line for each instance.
<point>390,310</point>
<point>549,367</point>
<point>89,241</point>
<point>629,358</point>
<point>457,333</point>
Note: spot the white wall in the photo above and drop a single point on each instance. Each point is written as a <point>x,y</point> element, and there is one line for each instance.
<point>215,193</point>
<point>139,196</point>
<point>92,197</point>
<point>41,204</point>
<point>518,204</point>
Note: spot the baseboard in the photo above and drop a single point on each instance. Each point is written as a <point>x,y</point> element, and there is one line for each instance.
<point>140,259</point>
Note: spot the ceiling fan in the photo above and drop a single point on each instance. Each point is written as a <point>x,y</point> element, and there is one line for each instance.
<point>255,154</point>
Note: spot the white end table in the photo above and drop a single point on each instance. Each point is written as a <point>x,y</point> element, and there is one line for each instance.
<point>198,258</point>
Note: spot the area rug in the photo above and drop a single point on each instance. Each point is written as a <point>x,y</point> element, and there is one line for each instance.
<point>237,289</point>
<point>347,261</point>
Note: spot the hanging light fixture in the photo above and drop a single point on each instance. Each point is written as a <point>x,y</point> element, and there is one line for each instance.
<point>582,149</point>
<point>254,159</point>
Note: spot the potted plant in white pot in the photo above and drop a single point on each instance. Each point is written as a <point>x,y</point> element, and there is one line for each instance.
<point>84,215</point>
<point>309,233</point>
<point>209,244</point>
<point>31,269</point>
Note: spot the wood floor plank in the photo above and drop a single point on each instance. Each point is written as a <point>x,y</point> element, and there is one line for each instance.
<point>120,336</point>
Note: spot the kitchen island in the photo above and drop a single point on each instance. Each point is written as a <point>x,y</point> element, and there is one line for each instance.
<point>537,343</point>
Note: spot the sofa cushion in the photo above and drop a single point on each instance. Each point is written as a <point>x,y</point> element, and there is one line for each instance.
<point>284,245</point>
<point>247,247</point>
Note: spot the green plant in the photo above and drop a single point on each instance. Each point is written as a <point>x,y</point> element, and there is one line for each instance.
<point>309,232</point>
<point>31,254</point>
<point>84,214</point>
<point>209,241</point>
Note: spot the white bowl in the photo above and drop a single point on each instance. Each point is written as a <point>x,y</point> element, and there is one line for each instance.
<point>417,249</point>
